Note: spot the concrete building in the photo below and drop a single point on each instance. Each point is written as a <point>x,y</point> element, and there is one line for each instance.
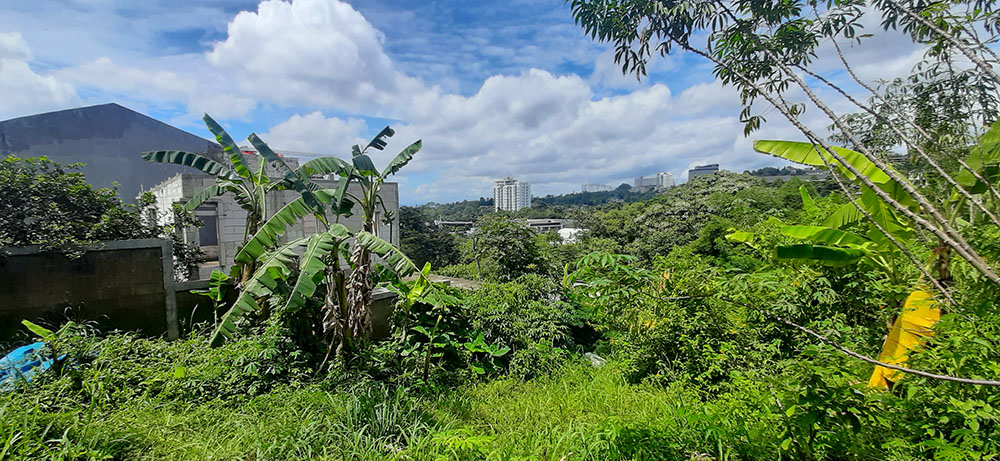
<point>811,174</point>
<point>596,188</point>
<point>225,222</point>
<point>662,179</point>
<point>510,194</point>
<point>703,170</point>
<point>108,139</point>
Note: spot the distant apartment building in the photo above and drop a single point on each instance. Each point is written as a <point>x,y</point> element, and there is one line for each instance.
<point>510,194</point>
<point>596,188</point>
<point>703,170</point>
<point>662,179</point>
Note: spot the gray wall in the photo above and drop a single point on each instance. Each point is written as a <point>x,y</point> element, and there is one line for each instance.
<point>126,284</point>
<point>107,138</point>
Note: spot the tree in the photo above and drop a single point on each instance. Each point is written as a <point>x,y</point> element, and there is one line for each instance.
<point>766,51</point>
<point>249,188</point>
<point>506,249</point>
<point>423,243</point>
<point>48,204</point>
<point>347,302</point>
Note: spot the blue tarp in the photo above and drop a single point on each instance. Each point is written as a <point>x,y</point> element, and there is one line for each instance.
<point>23,363</point>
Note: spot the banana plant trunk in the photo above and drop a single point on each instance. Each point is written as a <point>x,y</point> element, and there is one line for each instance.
<point>359,291</point>
<point>253,225</point>
<point>942,263</point>
<point>335,311</point>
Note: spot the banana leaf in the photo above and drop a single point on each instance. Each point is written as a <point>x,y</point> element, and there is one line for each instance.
<point>228,146</point>
<point>826,255</point>
<point>401,159</point>
<point>908,332</point>
<point>312,264</point>
<point>190,159</point>
<point>827,235</point>
<point>273,267</point>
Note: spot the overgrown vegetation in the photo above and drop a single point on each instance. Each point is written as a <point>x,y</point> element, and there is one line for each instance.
<point>51,205</point>
<point>724,319</point>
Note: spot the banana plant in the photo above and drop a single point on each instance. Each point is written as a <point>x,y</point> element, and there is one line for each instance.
<point>347,313</point>
<point>889,232</point>
<point>973,187</point>
<point>248,188</point>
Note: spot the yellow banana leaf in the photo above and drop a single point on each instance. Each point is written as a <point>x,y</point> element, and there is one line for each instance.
<point>908,332</point>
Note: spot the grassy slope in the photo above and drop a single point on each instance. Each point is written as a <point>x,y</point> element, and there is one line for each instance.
<point>578,413</point>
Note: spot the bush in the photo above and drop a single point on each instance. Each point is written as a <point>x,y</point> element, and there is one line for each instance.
<point>529,316</point>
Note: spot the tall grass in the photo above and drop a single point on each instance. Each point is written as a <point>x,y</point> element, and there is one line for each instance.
<point>167,403</point>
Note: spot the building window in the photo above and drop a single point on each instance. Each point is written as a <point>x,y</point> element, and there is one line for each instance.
<point>208,233</point>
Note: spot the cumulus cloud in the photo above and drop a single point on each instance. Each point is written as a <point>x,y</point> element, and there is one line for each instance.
<point>24,90</point>
<point>555,129</point>
<point>551,131</point>
<point>315,133</point>
<point>312,52</point>
<point>164,81</point>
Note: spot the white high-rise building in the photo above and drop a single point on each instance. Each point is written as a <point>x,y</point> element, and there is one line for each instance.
<point>510,194</point>
<point>662,179</point>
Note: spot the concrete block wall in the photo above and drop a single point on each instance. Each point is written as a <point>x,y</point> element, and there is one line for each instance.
<point>125,284</point>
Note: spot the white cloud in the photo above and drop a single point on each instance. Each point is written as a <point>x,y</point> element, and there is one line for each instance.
<point>315,133</point>
<point>556,130</point>
<point>24,91</point>
<point>158,81</point>
<point>550,131</point>
<point>312,52</point>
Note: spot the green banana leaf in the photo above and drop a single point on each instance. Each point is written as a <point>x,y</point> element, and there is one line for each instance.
<point>846,215</point>
<point>401,159</point>
<point>364,165</point>
<point>984,159</point>
<point>884,216</point>
<point>741,237</point>
<point>808,204</point>
<point>379,141</point>
<point>299,183</point>
<point>276,226</point>
<point>312,264</point>
<point>809,154</point>
<point>273,267</point>
<point>398,261</point>
<point>325,165</point>
<point>190,159</point>
<point>199,197</point>
<point>826,255</point>
<point>228,146</point>
<point>827,235</point>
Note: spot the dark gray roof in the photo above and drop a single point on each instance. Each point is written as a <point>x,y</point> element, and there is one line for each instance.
<point>107,138</point>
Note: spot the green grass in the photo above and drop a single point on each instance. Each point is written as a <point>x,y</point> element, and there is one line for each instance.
<point>577,413</point>
<point>586,413</point>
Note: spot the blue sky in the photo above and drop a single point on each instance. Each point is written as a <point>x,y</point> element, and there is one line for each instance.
<point>492,88</point>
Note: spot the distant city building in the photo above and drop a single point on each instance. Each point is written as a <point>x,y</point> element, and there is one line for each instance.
<point>510,194</point>
<point>662,179</point>
<point>596,188</point>
<point>703,170</point>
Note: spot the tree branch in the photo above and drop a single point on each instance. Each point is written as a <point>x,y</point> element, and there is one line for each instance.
<point>906,139</point>
<point>848,352</point>
<point>920,130</point>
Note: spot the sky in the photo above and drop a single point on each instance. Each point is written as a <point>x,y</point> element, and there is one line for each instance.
<point>493,89</point>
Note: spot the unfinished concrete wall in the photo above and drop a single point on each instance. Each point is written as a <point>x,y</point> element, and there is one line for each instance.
<point>126,284</point>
